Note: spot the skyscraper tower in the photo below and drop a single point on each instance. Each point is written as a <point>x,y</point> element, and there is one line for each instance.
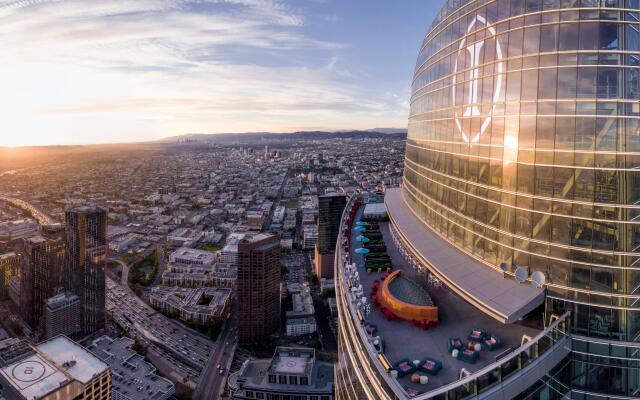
<point>258,287</point>
<point>86,259</point>
<point>330,208</point>
<point>520,195</point>
<point>41,276</point>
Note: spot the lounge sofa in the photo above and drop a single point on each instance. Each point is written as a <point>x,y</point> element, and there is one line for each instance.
<point>477,335</point>
<point>404,367</point>
<point>430,366</point>
<point>492,342</point>
<point>469,356</point>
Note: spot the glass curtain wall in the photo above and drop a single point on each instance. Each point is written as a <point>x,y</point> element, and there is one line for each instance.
<point>524,148</point>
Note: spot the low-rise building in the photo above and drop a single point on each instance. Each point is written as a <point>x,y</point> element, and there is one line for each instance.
<point>186,237</point>
<point>189,256</point>
<point>309,236</point>
<point>301,326</point>
<point>122,242</point>
<point>229,253</point>
<point>201,306</point>
<point>255,220</point>
<point>18,229</point>
<point>132,378</point>
<point>292,373</point>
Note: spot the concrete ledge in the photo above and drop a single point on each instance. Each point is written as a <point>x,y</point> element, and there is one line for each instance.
<point>502,298</point>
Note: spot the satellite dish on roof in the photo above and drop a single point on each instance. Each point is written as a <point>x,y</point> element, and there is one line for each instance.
<point>538,279</point>
<point>521,274</point>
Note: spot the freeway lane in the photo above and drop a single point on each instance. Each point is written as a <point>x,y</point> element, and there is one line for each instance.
<point>185,349</point>
<point>41,217</point>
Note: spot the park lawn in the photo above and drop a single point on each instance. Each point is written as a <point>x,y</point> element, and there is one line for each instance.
<point>212,247</point>
<point>291,203</point>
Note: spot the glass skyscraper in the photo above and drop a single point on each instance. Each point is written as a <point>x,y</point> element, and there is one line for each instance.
<point>86,260</point>
<point>523,153</point>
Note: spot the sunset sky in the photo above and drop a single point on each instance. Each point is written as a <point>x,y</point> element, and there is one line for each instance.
<point>99,71</point>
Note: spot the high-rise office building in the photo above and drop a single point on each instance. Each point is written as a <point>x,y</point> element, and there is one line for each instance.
<point>330,209</point>
<point>258,286</point>
<point>40,276</point>
<point>520,193</point>
<point>86,259</point>
<point>62,315</point>
<point>9,267</point>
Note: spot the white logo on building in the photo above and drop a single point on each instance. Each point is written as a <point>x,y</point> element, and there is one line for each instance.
<point>472,109</point>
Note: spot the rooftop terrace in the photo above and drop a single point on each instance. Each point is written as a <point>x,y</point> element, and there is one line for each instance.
<point>403,340</point>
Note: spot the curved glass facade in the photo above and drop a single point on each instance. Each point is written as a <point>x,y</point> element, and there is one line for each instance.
<point>524,148</point>
<point>524,145</point>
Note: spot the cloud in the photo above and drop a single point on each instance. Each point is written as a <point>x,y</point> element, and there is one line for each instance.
<point>73,68</point>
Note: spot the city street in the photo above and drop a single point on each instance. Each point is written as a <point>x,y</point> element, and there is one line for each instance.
<point>212,383</point>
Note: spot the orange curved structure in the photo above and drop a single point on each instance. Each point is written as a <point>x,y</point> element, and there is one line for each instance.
<point>402,309</point>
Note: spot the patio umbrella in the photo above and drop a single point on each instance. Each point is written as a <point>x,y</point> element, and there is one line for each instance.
<point>362,223</point>
<point>362,239</point>
<point>360,229</point>
<point>362,250</point>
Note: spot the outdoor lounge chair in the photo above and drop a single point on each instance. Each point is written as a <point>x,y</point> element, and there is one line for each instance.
<point>492,342</point>
<point>404,367</point>
<point>430,366</point>
<point>454,343</point>
<point>477,335</point>
<point>469,356</point>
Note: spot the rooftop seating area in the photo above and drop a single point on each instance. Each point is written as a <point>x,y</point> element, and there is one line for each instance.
<point>426,359</point>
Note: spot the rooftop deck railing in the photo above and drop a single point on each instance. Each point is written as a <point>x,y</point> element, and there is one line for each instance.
<point>507,368</point>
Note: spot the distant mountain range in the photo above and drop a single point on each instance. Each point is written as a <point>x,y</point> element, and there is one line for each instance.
<point>397,133</point>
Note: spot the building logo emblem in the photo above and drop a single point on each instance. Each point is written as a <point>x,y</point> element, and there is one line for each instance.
<point>472,109</point>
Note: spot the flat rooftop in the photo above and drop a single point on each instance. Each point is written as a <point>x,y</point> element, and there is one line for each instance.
<point>77,360</point>
<point>34,376</point>
<point>287,361</point>
<point>131,376</point>
<point>52,364</point>
<point>503,298</point>
<point>457,318</point>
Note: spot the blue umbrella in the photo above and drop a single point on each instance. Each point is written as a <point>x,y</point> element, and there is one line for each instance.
<point>362,239</point>
<point>361,229</point>
<point>362,223</point>
<point>362,250</point>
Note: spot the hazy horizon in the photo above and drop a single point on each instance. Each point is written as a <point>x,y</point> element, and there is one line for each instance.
<point>78,72</point>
